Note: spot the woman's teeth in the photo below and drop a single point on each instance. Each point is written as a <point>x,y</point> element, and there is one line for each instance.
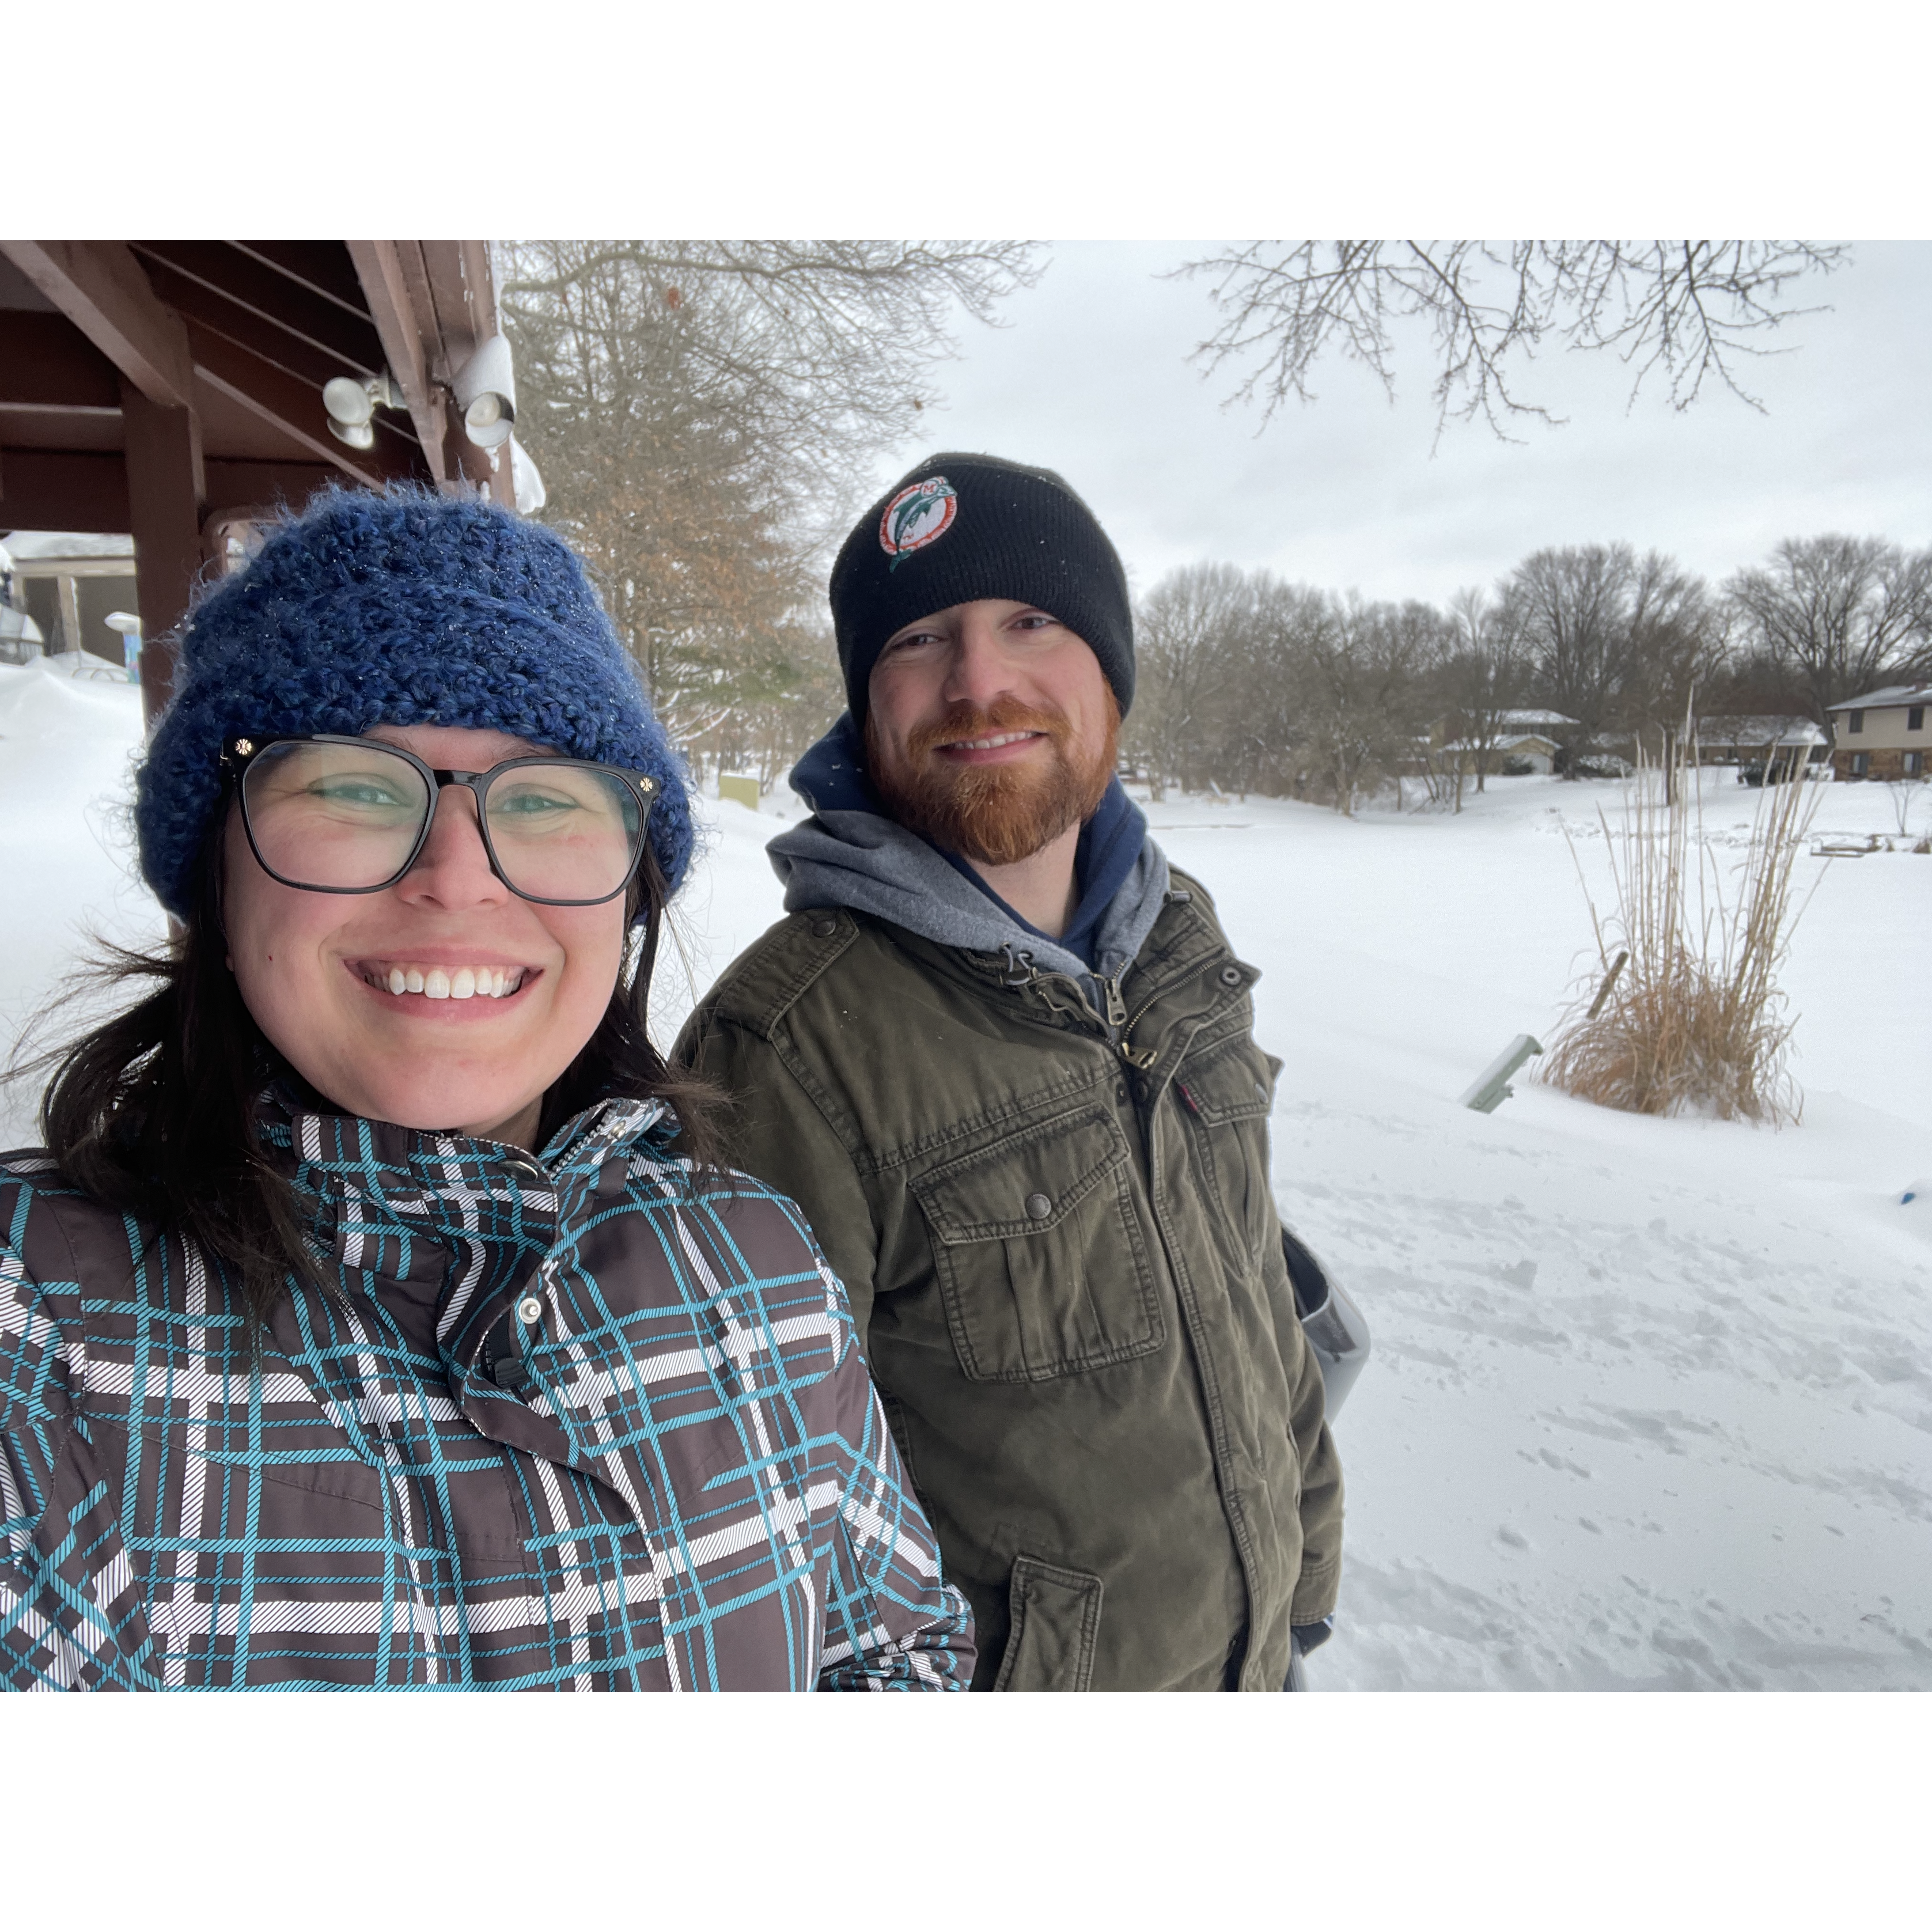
<point>466,983</point>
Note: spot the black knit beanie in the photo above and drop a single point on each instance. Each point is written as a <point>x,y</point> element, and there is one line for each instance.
<point>959,527</point>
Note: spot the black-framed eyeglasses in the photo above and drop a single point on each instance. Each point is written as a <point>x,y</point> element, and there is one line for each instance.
<point>330,814</point>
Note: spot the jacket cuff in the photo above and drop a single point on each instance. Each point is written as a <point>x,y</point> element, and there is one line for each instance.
<point>1315,1591</point>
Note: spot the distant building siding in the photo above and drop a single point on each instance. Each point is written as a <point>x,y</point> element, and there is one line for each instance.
<point>1881,741</point>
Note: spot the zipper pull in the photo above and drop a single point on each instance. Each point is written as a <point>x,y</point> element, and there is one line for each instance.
<point>1116,1007</point>
<point>1139,1057</point>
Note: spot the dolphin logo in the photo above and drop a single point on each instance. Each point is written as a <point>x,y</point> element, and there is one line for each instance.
<point>919,514</point>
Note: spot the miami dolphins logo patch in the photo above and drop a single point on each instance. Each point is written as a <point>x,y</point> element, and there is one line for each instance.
<point>921,514</point>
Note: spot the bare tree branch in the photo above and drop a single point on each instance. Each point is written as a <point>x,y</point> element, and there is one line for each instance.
<point>1689,309</point>
<point>705,414</point>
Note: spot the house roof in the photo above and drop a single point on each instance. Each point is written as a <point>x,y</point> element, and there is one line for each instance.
<point>1522,719</point>
<point>38,546</point>
<point>1759,731</point>
<point>1506,744</point>
<point>1891,695</point>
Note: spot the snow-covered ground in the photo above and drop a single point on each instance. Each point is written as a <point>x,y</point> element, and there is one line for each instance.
<point>66,748</point>
<point>1651,1400</point>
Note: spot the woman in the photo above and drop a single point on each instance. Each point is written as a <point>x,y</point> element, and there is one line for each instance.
<point>376,1316</point>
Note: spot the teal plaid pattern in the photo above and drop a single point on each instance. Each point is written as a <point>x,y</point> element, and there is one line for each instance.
<point>584,1422</point>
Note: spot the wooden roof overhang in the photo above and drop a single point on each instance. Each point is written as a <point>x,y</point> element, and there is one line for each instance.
<point>169,390</point>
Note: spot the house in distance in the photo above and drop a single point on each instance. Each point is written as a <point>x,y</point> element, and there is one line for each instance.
<point>1882,735</point>
<point>1518,743</point>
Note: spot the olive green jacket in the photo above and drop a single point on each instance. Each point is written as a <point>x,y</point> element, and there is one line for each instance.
<point>1064,1256</point>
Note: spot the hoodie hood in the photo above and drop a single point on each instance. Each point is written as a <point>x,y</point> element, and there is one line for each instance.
<point>849,854</point>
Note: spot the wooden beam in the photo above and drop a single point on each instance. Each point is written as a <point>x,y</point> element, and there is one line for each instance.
<point>166,495</point>
<point>322,267</point>
<point>45,363</point>
<point>262,491</point>
<point>464,306</point>
<point>295,408</point>
<point>63,490</point>
<point>68,600</point>
<point>58,489</point>
<point>479,277</point>
<point>100,286</point>
<point>261,309</point>
<point>385,285</point>
<point>422,306</point>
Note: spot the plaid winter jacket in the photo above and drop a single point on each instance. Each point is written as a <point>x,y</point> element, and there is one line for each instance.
<point>569,1424</point>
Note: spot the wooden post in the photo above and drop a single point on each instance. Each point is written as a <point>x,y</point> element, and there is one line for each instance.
<point>68,591</point>
<point>166,495</point>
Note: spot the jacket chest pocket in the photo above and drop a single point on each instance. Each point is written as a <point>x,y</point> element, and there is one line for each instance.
<point>1042,1263</point>
<point>1228,1092</point>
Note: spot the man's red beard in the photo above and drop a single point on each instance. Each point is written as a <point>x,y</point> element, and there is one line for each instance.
<point>995,814</point>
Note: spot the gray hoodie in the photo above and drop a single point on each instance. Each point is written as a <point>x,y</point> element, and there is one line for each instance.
<point>848,853</point>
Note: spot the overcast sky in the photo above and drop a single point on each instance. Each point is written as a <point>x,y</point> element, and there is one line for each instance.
<point>1090,376</point>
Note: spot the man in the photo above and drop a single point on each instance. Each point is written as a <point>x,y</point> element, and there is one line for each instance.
<point>1002,1057</point>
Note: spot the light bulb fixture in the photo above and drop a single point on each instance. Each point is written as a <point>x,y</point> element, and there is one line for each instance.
<point>351,402</point>
<point>486,393</point>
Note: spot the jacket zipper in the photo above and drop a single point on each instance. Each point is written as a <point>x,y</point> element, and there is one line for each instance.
<point>1142,1058</point>
<point>1120,1023</point>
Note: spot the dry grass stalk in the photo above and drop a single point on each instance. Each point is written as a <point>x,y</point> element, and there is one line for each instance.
<point>1695,1023</point>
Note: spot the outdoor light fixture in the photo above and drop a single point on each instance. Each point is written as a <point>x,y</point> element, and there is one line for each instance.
<point>351,402</point>
<point>486,393</point>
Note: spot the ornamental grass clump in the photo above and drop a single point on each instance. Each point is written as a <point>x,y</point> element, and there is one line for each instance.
<point>1695,1022</point>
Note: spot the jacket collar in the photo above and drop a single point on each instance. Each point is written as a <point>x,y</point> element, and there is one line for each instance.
<point>480,1227</point>
<point>1179,982</point>
<point>851,853</point>
<point>378,1189</point>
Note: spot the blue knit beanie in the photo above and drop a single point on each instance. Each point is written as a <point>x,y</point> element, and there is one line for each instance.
<point>402,608</point>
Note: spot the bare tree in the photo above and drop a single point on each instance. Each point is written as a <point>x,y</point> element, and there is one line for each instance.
<point>1481,680</point>
<point>1185,659</point>
<point>1691,309</point>
<point>1364,676</point>
<point>1571,607</point>
<point>1679,639</point>
<point>704,412</point>
<point>1263,742</point>
<point>1840,615</point>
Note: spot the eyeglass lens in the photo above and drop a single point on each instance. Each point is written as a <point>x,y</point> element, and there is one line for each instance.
<point>347,818</point>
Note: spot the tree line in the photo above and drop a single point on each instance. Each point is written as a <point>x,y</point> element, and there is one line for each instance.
<point>708,416</point>
<point>1246,682</point>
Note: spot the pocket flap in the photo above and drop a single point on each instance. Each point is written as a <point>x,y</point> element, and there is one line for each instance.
<point>1023,1184</point>
<point>1056,1624</point>
<point>1233,1082</point>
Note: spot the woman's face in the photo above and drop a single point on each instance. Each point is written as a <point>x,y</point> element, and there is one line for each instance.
<point>315,969</point>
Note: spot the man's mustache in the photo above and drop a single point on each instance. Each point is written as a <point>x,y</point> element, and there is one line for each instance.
<point>966,719</point>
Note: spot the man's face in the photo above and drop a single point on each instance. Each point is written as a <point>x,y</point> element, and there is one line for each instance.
<point>991,729</point>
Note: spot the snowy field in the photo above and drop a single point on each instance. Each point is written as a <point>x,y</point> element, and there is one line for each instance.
<point>1651,1401</point>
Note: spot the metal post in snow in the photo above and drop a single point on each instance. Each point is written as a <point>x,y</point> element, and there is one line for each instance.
<point>1491,1087</point>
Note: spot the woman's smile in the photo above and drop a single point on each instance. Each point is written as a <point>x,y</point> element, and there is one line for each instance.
<point>439,979</point>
